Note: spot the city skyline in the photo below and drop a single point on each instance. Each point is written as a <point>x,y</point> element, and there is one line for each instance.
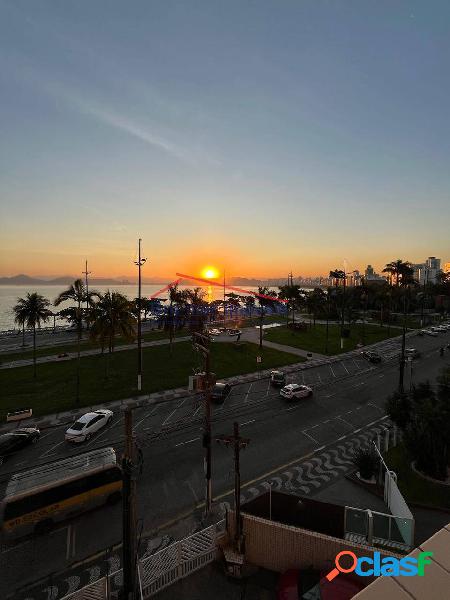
<point>251,135</point>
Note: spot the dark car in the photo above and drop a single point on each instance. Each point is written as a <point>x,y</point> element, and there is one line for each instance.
<point>371,356</point>
<point>277,379</point>
<point>220,392</point>
<point>297,584</point>
<point>17,439</point>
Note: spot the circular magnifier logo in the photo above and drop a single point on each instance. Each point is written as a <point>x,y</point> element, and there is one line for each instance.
<point>339,568</point>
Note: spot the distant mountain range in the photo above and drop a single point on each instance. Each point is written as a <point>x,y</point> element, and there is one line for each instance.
<point>26,280</point>
<point>65,280</point>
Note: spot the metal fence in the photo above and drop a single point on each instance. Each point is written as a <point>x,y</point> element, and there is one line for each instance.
<point>373,528</point>
<point>161,569</point>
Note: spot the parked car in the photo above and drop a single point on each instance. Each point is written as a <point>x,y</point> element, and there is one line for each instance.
<point>220,392</point>
<point>430,332</point>
<point>214,332</point>
<point>83,429</point>
<point>371,356</point>
<point>63,355</point>
<point>436,329</point>
<point>234,331</point>
<point>295,390</point>
<point>411,353</point>
<point>17,439</point>
<point>311,584</point>
<point>277,379</point>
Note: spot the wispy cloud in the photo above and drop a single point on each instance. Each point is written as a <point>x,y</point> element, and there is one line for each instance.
<point>128,125</point>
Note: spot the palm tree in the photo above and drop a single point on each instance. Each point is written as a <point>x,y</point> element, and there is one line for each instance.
<point>264,302</point>
<point>76,293</point>
<point>112,315</point>
<point>19,319</point>
<point>399,271</point>
<point>176,297</point>
<point>196,304</point>
<point>32,311</point>
<point>249,302</point>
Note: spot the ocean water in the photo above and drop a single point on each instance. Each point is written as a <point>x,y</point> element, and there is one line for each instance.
<point>10,293</point>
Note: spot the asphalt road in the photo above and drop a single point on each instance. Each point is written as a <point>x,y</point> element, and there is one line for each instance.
<point>348,396</point>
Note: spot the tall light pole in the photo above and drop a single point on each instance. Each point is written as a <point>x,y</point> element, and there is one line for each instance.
<point>140,261</point>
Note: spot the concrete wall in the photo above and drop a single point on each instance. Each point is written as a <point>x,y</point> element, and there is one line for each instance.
<point>280,547</point>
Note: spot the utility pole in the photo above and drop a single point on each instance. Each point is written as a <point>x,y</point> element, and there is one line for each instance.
<point>238,444</point>
<point>201,343</point>
<point>140,261</point>
<point>129,549</point>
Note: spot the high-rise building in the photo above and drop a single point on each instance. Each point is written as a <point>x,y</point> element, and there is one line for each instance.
<point>371,276</point>
<point>447,267</point>
<point>427,272</point>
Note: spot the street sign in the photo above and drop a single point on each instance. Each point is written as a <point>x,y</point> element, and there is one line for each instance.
<point>259,359</point>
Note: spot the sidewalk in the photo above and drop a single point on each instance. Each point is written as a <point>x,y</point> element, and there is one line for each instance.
<point>70,355</point>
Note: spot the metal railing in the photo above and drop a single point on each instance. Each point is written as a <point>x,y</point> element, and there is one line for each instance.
<point>161,569</point>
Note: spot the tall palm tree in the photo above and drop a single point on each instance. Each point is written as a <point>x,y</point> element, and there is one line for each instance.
<point>20,318</point>
<point>399,271</point>
<point>78,294</point>
<point>31,312</point>
<point>112,315</point>
<point>176,297</point>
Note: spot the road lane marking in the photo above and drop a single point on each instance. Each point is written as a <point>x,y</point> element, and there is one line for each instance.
<point>344,421</point>
<point>248,392</point>
<point>52,449</point>
<point>248,422</point>
<point>310,437</point>
<point>146,416</point>
<point>343,364</point>
<point>187,442</point>
<point>332,372</point>
<point>188,483</point>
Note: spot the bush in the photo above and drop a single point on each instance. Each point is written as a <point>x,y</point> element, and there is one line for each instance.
<point>366,461</point>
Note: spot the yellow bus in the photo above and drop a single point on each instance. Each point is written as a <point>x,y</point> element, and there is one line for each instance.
<point>36,499</point>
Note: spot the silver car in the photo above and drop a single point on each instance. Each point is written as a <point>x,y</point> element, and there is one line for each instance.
<point>83,429</point>
<point>295,390</point>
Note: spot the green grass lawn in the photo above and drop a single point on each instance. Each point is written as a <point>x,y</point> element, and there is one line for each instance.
<point>314,338</point>
<point>413,487</point>
<point>49,350</point>
<point>54,388</point>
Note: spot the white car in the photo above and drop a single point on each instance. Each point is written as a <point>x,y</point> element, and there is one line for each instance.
<point>295,390</point>
<point>88,424</point>
<point>431,332</point>
<point>214,332</point>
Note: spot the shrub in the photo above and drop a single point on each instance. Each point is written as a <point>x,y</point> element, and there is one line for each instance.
<point>366,461</point>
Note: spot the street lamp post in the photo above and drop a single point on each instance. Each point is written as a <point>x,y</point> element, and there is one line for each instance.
<point>139,264</point>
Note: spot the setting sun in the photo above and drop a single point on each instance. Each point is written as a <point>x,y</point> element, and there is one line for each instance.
<point>210,273</point>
